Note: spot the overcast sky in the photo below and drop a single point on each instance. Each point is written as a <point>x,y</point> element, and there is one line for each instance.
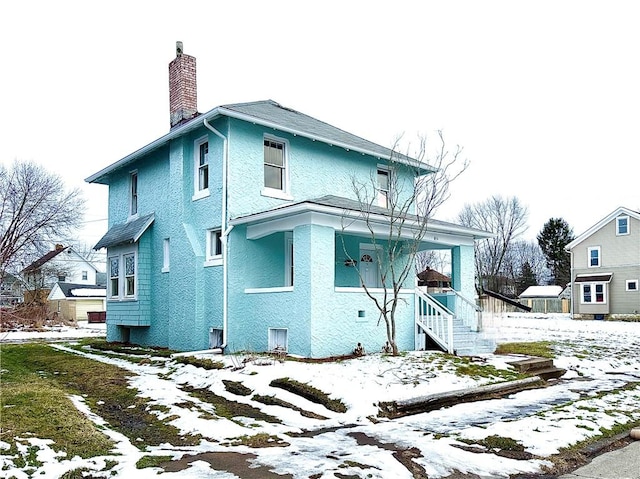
<point>544,96</point>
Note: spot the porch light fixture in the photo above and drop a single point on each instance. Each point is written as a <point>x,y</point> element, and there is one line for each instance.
<point>350,262</point>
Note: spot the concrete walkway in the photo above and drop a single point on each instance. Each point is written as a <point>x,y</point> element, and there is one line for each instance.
<point>622,463</point>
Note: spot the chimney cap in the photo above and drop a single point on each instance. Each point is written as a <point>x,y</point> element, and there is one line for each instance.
<point>178,49</point>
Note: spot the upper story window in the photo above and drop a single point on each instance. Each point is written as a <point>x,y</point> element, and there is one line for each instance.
<point>201,168</point>
<point>632,285</point>
<point>383,187</point>
<point>133,193</point>
<point>276,176</point>
<point>85,275</point>
<point>214,248</point>
<point>622,225</point>
<point>594,256</point>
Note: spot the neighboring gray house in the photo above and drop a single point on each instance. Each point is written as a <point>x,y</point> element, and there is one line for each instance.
<point>605,268</point>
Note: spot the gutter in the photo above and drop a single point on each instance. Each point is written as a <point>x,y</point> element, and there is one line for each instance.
<point>225,233</point>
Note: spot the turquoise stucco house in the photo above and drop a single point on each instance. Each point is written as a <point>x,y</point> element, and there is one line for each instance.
<point>240,230</point>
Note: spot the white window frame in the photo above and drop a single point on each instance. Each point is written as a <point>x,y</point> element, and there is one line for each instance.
<point>213,240</point>
<point>618,233</point>
<point>198,191</point>
<point>289,265</point>
<point>166,255</point>
<point>84,275</point>
<point>592,287</point>
<point>133,193</point>
<point>633,282</point>
<point>589,250</point>
<point>384,195</point>
<point>273,340</point>
<point>285,192</point>
<point>121,294</point>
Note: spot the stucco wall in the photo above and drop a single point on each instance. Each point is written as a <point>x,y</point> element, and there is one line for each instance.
<point>315,169</point>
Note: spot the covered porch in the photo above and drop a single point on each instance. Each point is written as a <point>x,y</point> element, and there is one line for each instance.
<point>316,268</point>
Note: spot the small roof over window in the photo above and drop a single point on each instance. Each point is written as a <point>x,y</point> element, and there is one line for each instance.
<point>594,278</point>
<point>125,233</point>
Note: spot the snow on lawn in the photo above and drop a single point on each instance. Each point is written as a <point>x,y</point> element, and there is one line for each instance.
<point>600,358</point>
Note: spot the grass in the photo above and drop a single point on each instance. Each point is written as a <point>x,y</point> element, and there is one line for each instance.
<point>496,442</point>
<point>152,461</point>
<point>543,349</point>
<point>204,363</point>
<point>230,409</point>
<point>37,381</point>
<point>467,367</point>
<point>259,440</point>
<point>309,392</point>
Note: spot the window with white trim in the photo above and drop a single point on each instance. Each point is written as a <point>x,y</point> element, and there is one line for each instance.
<point>123,280</point>
<point>201,167</point>
<point>214,247</point>
<point>276,163</point>
<point>383,187</point>
<point>133,193</point>
<point>632,285</point>
<point>622,225</point>
<point>594,293</point>
<point>166,250</point>
<point>278,339</point>
<point>129,275</point>
<point>85,275</point>
<point>593,258</point>
<point>114,277</point>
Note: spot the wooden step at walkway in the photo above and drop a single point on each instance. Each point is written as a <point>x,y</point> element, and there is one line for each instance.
<point>541,367</point>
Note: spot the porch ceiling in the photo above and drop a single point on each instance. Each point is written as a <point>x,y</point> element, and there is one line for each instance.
<point>345,215</point>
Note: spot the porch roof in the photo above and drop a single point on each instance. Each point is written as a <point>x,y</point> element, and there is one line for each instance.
<point>594,278</point>
<point>349,216</point>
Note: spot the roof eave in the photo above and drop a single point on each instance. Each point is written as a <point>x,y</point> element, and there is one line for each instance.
<point>277,126</point>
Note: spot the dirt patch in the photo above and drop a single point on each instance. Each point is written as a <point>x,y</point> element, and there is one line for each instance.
<point>403,456</point>
<point>239,464</point>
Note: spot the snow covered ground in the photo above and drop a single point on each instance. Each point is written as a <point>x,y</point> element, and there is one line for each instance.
<point>600,358</point>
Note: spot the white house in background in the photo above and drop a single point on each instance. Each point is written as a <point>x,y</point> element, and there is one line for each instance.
<point>73,302</point>
<point>605,268</point>
<point>62,264</point>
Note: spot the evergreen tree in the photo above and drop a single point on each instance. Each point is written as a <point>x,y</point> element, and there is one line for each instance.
<point>554,237</point>
<point>527,278</point>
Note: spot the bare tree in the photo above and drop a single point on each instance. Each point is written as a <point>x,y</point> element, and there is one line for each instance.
<point>417,182</point>
<point>439,260</point>
<point>507,219</point>
<point>35,210</point>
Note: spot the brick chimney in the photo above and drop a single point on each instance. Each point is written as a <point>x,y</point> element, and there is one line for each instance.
<point>183,96</point>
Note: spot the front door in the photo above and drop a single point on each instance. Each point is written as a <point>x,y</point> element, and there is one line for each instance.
<point>369,266</point>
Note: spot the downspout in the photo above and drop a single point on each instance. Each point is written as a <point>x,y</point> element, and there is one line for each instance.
<point>225,232</point>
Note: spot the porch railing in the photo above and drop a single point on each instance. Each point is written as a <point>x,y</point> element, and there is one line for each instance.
<point>467,310</point>
<point>435,320</point>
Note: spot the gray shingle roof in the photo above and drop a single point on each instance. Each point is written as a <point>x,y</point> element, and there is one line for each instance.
<point>125,233</point>
<point>289,119</point>
<point>272,114</point>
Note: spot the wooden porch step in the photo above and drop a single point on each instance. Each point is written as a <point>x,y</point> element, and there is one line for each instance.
<point>528,364</point>
<point>541,367</point>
